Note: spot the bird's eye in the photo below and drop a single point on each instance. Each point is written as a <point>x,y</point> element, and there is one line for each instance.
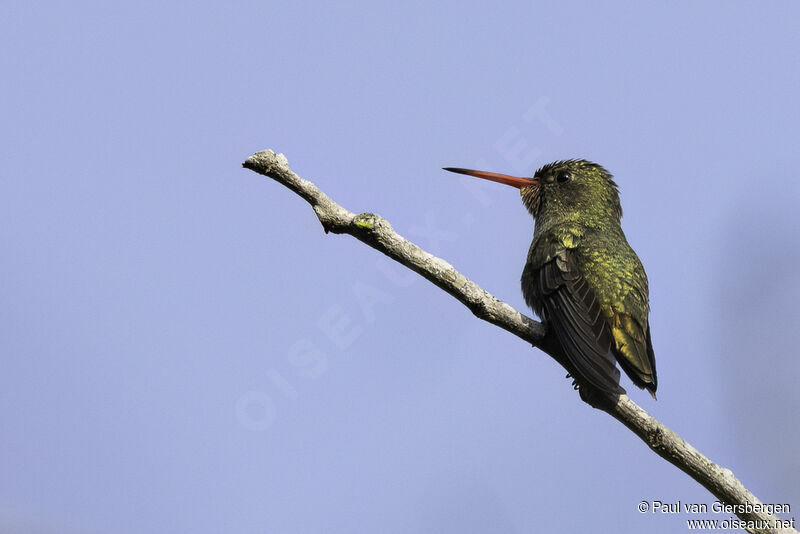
<point>563,176</point>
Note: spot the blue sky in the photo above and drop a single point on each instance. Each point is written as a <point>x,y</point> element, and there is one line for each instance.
<point>184,349</point>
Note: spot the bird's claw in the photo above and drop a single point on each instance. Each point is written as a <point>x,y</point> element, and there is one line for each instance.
<point>574,382</point>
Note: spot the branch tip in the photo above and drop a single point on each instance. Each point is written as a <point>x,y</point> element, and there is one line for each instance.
<point>266,162</point>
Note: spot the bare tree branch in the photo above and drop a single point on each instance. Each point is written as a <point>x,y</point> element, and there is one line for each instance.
<point>376,232</point>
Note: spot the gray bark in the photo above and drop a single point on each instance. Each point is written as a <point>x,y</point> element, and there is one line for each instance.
<point>376,232</point>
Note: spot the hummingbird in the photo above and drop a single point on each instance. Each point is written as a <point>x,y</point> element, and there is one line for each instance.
<point>581,277</point>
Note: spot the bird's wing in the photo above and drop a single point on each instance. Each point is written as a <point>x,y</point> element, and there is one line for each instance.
<point>574,314</point>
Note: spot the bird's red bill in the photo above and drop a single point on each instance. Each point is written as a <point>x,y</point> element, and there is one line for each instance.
<point>514,181</point>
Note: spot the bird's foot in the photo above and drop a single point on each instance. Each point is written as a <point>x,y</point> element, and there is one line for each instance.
<point>574,382</point>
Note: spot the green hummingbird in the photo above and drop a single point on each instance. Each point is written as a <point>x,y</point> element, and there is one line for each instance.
<point>581,276</point>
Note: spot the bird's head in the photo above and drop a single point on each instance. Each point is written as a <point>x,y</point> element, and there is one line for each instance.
<point>573,188</point>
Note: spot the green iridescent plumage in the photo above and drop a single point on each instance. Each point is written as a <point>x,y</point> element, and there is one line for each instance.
<point>583,278</point>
